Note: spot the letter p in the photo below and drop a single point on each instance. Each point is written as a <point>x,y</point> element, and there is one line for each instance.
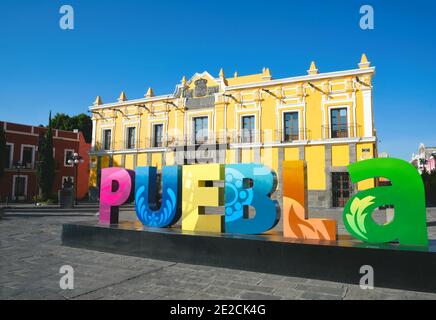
<point>115,190</point>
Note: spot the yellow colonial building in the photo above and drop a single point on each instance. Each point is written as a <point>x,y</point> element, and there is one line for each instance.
<point>325,119</point>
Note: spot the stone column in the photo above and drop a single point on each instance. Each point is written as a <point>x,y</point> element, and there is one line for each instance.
<point>301,153</point>
<point>164,159</point>
<point>179,155</point>
<point>353,155</point>
<point>221,153</point>
<point>238,155</point>
<point>123,161</point>
<point>257,157</point>
<point>279,193</point>
<point>353,159</point>
<point>149,159</point>
<point>135,160</point>
<point>328,176</point>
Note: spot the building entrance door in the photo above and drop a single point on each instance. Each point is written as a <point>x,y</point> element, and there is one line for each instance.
<point>20,188</point>
<point>341,188</point>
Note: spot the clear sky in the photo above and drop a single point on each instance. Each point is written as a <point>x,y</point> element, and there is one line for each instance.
<point>131,45</point>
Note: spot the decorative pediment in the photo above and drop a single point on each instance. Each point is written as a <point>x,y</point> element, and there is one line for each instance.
<point>210,81</point>
<point>200,85</point>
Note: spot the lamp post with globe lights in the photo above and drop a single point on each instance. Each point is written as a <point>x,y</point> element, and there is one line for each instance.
<point>75,160</point>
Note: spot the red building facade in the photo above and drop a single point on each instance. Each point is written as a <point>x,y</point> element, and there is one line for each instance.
<point>19,182</point>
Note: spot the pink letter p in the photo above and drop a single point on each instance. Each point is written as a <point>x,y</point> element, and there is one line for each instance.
<point>115,189</point>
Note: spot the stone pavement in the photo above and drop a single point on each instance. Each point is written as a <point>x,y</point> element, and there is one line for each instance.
<point>31,256</point>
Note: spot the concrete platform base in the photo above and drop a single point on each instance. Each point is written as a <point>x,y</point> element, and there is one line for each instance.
<point>394,266</point>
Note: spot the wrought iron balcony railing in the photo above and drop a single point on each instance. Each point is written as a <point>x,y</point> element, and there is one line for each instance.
<point>247,136</point>
<point>284,136</point>
<point>234,137</point>
<point>341,131</point>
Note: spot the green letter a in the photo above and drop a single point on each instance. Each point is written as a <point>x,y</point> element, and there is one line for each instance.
<point>406,195</point>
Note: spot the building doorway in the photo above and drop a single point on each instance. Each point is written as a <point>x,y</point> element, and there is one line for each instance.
<point>19,188</point>
<point>341,188</point>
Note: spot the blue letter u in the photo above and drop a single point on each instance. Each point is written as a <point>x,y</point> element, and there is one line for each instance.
<point>147,208</point>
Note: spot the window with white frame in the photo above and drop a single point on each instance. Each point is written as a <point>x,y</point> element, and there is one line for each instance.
<point>339,123</point>
<point>290,126</point>
<point>158,135</point>
<point>9,155</point>
<point>248,129</point>
<point>201,130</point>
<point>107,139</point>
<point>68,154</point>
<point>27,156</point>
<point>131,138</point>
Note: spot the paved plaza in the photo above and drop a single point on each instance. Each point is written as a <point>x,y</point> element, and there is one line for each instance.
<point>31,256</point>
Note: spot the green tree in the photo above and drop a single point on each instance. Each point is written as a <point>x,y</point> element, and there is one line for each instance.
<point>82,122</point>
<point>46,164</point>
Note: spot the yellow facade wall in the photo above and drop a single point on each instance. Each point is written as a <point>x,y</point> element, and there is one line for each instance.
<point>313,115</point>
<point>230,156</point>
<point>219,123</point>
<point>117,133</point>
<point>340,156</point>
<point>268,117</point>
<point>142,160</point>
<point>230,119</point>
<point>292,154</point>
<point>156,160</point>
<point>315,159</point>
<point>117,160</point>
<point>93,172</point>
<point>104,162</point>
<point>359,113</point>
<point>270,158</point>
<point>129,164</point>
<point>361,155</point>
<point>247,155</point>
<point>170,158</point>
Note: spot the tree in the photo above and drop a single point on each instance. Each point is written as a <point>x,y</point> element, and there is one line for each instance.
<point>46,164</point>
<point>2,151</point>
<point>81,122</point>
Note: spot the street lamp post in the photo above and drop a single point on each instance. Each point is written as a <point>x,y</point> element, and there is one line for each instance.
<point>75,160</point>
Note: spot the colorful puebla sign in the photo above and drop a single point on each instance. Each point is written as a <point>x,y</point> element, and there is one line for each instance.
<point>187,190</point>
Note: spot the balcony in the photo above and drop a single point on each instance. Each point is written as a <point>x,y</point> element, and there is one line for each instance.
<point>247,136</point>
<point>237,137</point>
<point>191,140</point>
<point>284,136</point>
<point>341,131</point>
<point>21,166</point>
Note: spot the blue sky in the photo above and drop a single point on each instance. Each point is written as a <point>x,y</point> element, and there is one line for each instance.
<point>131,45</point>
